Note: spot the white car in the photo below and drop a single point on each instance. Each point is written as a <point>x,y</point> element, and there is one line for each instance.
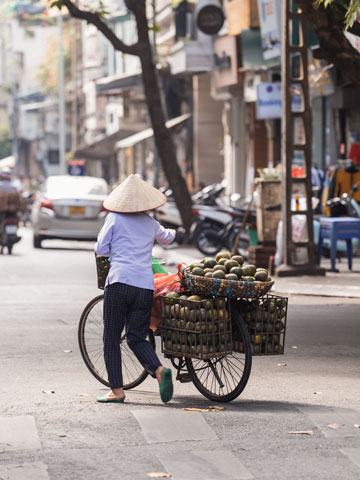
<point>69,208</point>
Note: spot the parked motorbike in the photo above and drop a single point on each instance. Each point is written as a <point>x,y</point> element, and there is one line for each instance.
<point>345,205</point>
<point>207,206</point>
<point>9,231</point>
<point>210,241</point>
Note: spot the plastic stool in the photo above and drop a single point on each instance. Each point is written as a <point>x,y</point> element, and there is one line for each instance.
<point>338,228</point>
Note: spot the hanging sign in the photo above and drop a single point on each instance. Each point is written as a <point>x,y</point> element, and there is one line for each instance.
<point>270,27</point>
<point>210,19</point>
<point>269,101</point>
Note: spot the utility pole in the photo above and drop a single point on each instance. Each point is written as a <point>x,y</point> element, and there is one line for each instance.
<point>296,80</point>
<point>61,92</point>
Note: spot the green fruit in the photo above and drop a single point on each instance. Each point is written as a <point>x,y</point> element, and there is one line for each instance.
<point>249,270</point>
<point>231,276</point>
<point>182,324</point>
<point>183,297</point>
<point>256,348</point>
<point>249,279</point>
<point>196,265</point>
<point>212,328</point>
<point>190,326</point>
<point>222,255</point>
<point>212,314</point>
<point>173,323</point>
<point>193,350</point>
<point>169,345</point>
<point>192,338</point>
<point>219,267</point>
<point>185,348</point>
<point>209,263</point>
<point>207,304</point>
<point>174,336</point>
<point>203,313</point>
<point>208,275</point>
<point>238,258</point>
<point>281,313</point>
<point>172,295</point>
<point>194,298</point>
<point>238,271</point>
<point>219,302</point>
<point>198,272</point>
<point>175,310</point>
<point>200,327</point>
<point>261,276</point>
<point>229,264</point>
<point>184,312</point>
<point>201,349</point>
<point>208,270</point>
<point>171,298</point>
<point>222,261</point>
<point>218,274</point>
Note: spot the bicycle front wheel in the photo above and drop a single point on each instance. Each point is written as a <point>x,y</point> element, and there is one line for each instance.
<point>90,337</point>
<point>222,379</point>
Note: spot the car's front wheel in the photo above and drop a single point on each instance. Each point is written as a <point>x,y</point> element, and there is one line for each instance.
<point>37,239</point>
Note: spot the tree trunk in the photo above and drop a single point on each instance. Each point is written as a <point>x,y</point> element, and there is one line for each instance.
<point>164,143</point>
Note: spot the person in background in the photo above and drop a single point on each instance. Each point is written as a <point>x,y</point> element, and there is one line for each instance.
<point>127,237</point>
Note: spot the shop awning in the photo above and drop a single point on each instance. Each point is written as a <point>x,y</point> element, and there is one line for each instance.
<point>106,147</point>
<point>147,133</point>
<point>116,82</point>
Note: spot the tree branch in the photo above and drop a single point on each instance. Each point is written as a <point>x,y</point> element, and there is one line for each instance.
<point>95,20</point>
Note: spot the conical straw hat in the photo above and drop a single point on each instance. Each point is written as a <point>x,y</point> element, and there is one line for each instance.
<point>134,195</point>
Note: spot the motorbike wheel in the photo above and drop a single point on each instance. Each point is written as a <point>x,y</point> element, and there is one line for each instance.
<point>208,241</point>
<point>37,239</point>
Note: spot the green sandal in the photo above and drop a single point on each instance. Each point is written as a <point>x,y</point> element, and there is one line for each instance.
<point>166,385</point>
<point>109,400</point>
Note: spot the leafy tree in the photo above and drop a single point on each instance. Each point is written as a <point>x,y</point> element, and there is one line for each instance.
<point>142,49</point>
<point>328,19</point>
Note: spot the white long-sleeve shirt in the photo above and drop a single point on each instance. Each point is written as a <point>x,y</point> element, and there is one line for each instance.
<point>128,238</point>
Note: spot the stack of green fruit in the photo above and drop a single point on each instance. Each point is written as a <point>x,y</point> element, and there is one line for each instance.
<point>229,267</point>
<point>265,319</point>
<point>195,326</point>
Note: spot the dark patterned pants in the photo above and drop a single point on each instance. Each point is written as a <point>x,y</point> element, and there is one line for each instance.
<point>125,305</point>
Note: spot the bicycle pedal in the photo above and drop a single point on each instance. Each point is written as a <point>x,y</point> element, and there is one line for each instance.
<point>183,377</point>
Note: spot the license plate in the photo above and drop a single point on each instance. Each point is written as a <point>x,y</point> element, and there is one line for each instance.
<point>73,210</point>
<point>10,229</point>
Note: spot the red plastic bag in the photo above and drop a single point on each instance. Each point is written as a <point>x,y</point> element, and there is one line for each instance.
<point>164,283</point>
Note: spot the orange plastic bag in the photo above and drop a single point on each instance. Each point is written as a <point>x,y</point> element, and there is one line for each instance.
<point>164,283</point>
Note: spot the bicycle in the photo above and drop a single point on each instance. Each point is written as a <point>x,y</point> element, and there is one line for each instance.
<point>221,378</point>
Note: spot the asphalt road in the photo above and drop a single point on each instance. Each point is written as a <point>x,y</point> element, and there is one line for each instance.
<point>52,428</point>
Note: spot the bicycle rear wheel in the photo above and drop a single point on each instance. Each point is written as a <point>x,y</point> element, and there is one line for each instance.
<point>90,337</point>
<point>222,379</point>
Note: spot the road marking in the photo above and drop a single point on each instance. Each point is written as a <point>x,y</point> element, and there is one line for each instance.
<point>209,465</point>
<point>27,471</point>
<point>353,454</point>
<point>324,416</point>
<point>18,433</point>
<point>173,426</point>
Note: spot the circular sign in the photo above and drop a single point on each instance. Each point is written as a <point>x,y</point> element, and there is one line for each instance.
<point>210,19</point>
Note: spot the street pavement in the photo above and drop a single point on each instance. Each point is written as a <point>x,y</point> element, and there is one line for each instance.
<point>52,428</point>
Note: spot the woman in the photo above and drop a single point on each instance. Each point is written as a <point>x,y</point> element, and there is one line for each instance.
<point>127,237</point>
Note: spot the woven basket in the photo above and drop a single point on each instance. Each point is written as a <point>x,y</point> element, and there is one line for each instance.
<point>102,270</point>
<point>218,287</point>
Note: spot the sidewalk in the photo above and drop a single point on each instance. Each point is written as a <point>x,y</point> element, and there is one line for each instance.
<point>344,283</point>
